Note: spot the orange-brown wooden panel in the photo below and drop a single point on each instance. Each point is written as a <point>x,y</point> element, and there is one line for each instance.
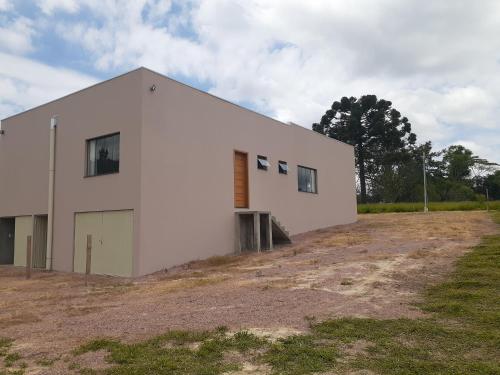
<point>240,180</point>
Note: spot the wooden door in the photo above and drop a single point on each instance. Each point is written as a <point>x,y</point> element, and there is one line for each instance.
<point>240,180</point>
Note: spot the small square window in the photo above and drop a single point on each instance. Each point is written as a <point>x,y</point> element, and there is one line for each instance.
<point>283,167</point>
<point>262,162</point>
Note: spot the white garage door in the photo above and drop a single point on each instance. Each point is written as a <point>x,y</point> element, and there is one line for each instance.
<point>112,242</point>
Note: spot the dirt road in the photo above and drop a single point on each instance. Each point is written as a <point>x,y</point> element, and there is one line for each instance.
<point>374,268</point>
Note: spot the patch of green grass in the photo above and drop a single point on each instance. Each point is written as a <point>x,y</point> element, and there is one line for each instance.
<point>47,362</point>
<point>11,358</point>
<point>244,342</point>
<point>176,352</point>
<point>460,336</point>
<point>472,293</point>
<point>95,345</point>
<point>5,344</point>
<point>407,346</point>
<point>433,206</point>
<point>12,372</point>
<point>301,354</point>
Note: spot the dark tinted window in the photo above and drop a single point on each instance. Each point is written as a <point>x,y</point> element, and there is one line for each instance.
<point>262,162</point>
<point>103,155</point>
<point>307,179</point>
<point>282,167</point>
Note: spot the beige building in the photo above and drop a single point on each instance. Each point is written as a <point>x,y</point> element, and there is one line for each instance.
<point>158,174</point>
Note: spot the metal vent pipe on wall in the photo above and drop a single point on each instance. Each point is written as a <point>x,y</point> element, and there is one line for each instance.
<point>52,172</point>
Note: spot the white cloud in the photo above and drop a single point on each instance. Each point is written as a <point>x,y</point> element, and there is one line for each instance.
<point>25,83</point>
<point>445,115</point>
<point>438,61</point>
<point>51,6</point>
<point>16,35</point>
<point>5,6</point>
<point>483,146</point>
<point>156,9</point>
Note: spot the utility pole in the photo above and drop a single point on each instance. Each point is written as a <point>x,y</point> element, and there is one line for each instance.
<point>487,200</point>
<point>426,209</point>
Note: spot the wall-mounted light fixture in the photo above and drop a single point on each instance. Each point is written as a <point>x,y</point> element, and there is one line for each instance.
<point>152,88</point>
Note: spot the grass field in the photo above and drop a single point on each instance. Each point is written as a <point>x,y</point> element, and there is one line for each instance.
<point>369,208</point>
<point>461,335</point>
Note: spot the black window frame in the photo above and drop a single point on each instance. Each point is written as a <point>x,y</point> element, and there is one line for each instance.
<point>261,166</point>
<point>313,190</point>
<point>282,170</point>
<point>87,155</point>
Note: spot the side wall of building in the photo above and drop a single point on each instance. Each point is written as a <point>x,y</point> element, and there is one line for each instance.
<point>24,163</point>
<point>187,187</point>
<point>108,107</point>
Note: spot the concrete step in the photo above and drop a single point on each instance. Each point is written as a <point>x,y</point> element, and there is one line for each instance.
<point>280,234</point>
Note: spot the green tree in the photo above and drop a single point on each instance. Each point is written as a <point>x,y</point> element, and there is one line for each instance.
<point>464,174</point>
<point>404,181</point>
<point>458,162</point>
<point>492,183</point>
<point>480,172</point>
<point>378,132</point>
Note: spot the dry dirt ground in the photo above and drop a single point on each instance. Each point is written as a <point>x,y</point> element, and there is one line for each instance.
<point>373,268</point>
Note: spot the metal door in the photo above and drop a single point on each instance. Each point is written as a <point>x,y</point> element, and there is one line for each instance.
<point>39,241</point>
<point>112,242</point>
<point>24,228</point>
<point>7,229</point>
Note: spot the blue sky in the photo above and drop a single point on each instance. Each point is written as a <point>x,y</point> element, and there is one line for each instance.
<point>438,62</point>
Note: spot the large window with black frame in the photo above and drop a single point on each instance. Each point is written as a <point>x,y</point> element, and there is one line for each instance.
<point>308,179</point>
<point>103,155</point>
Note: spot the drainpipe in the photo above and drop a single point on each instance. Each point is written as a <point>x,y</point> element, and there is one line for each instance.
<point>52,171</point>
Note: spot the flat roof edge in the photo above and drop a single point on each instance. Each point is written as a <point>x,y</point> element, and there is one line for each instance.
<point>72,93</point>
<point>244,108</point>
<point>180,83</point>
